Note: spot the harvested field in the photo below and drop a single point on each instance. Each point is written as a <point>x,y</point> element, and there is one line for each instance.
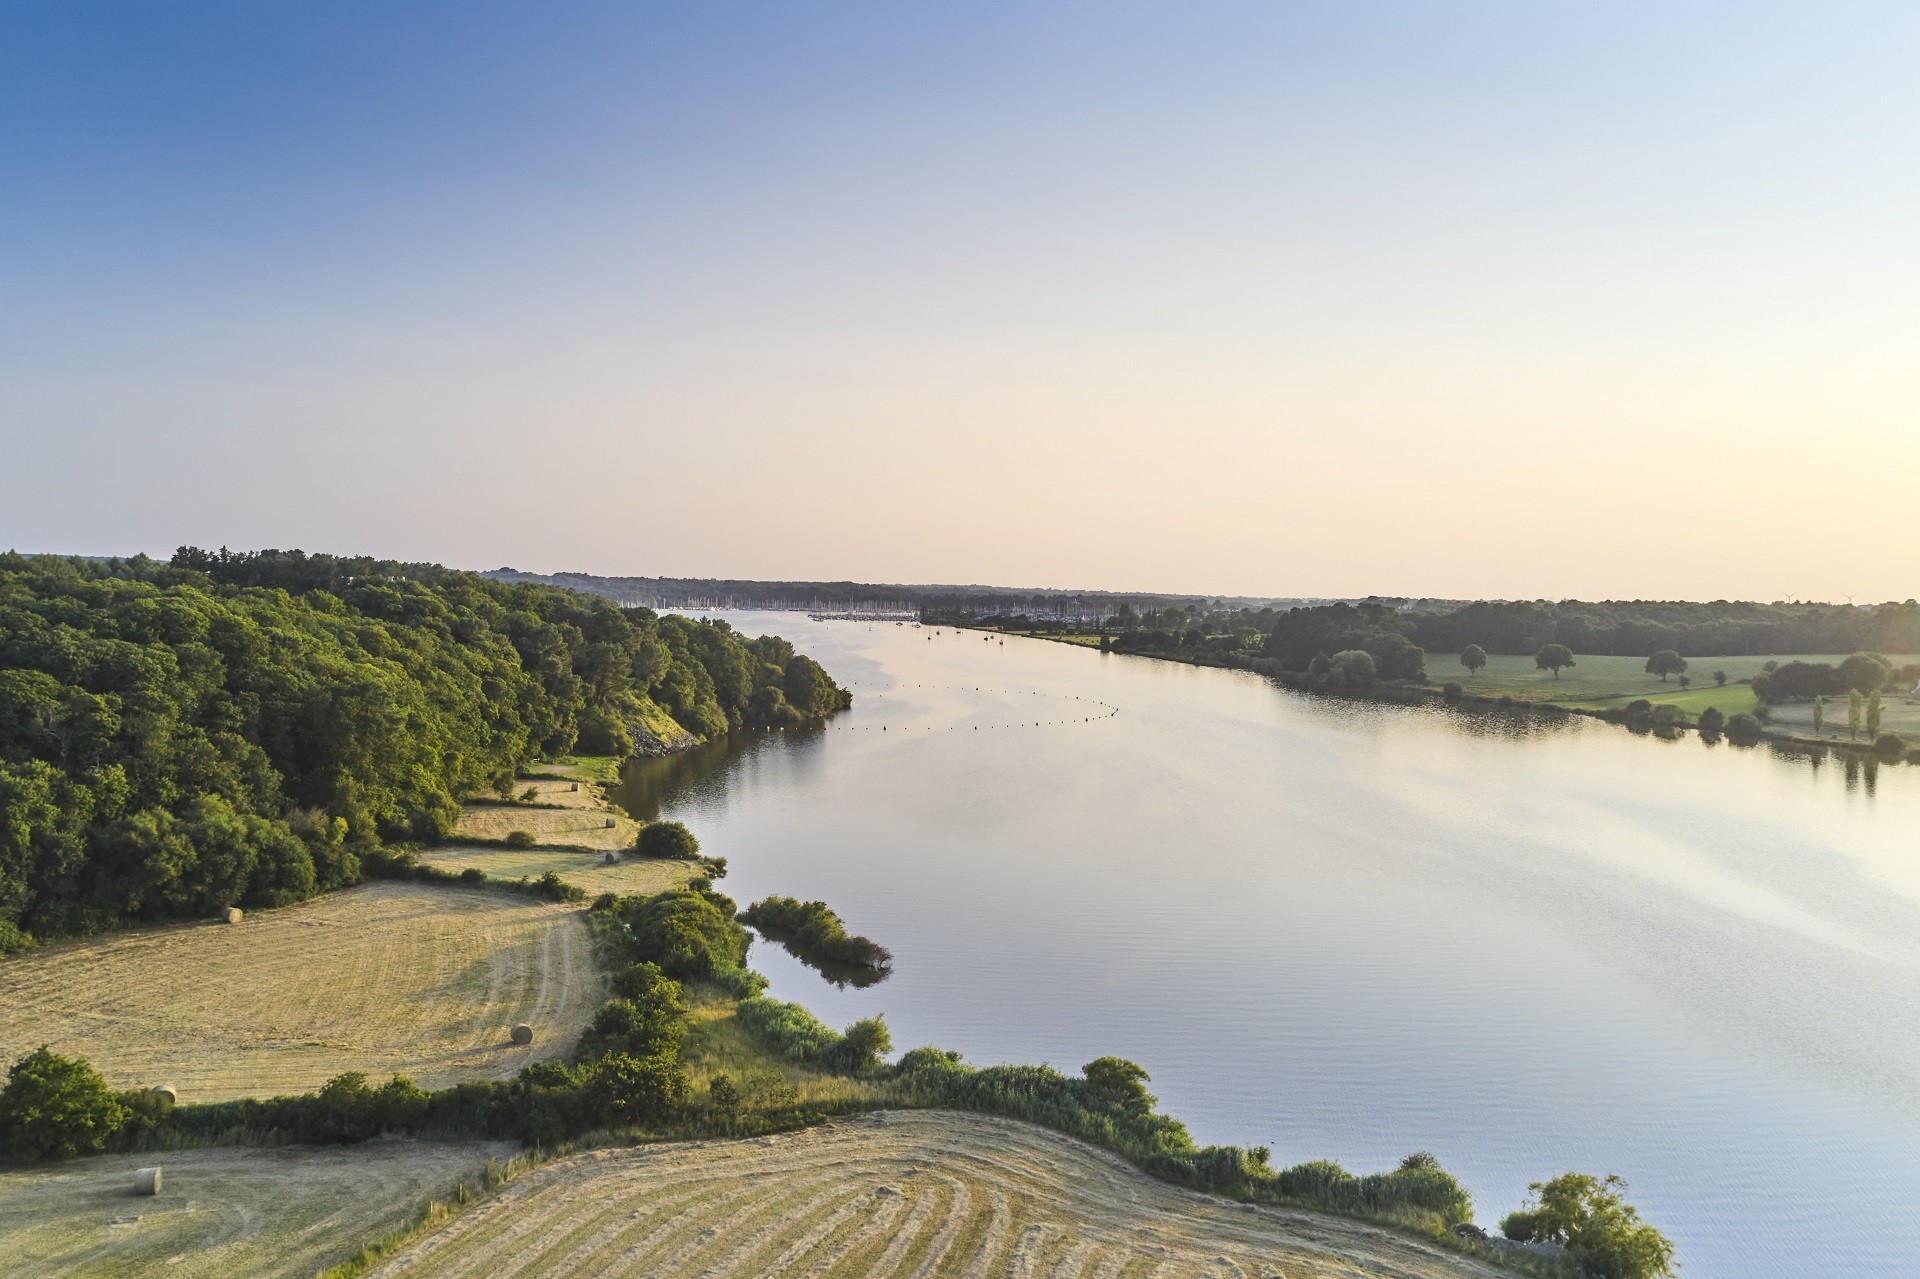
<point>894,1195</point>
<point>584,870</point>
<point>418,979</point>
<point>223,1212</point>
<point>582,819</point>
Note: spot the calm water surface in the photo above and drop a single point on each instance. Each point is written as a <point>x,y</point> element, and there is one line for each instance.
<point>1352,931</point>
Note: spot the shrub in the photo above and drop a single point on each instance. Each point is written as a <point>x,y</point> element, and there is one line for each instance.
<point>790,1029</point>
<point>473,875</point>
<point>1590,1217</point>
<point>12,940</point>
<point>687,934</point>
<point>860,1049</point>
<point>556,889</point>
<point>724,1094</point>
<point>56,1107</point>
<point>1666,715</point>
<point>1712,720</point>
<point>1450,691</point>
<point>635,1089</point>
<point>1889,746</point>
<point>519,839</point>
<point>646,1018</point>
<point>667,839</point>
<point>1743,728</point>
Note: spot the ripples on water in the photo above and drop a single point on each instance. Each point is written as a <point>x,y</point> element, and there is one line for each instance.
<point>1349,930</point>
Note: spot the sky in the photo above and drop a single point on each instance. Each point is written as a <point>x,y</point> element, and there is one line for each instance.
<point>1324,299</point>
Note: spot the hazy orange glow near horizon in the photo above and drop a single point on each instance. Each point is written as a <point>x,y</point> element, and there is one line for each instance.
<point>1308,300</point>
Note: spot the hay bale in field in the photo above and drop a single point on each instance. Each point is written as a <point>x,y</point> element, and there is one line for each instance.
<point>146,1181</point>
<point>166,1091</point>
<point>575,786</point>
<point>611,858</point>
<point>522,1034</point>
<point>609,823</point>
<point>235,914</point>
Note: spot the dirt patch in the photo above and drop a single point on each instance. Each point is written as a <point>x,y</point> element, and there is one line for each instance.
<point>891,1195</point>
<point>383,978</point>
<point>265,1213</point>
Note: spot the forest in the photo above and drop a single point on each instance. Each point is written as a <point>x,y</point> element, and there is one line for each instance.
<point>239,728</point>
<point>1397,635</point>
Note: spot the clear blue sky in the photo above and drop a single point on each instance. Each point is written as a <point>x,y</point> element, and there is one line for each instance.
<point>1279,298</point>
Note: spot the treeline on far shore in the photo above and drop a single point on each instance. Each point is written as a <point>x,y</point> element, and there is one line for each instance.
<point>242,729</point>
<point>1294,636</point>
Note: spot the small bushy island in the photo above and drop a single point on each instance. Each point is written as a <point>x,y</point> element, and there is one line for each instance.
<point>232,729</point>
<point>815,936</point>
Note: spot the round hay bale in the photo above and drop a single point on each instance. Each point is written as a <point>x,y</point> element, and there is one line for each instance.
<point>146,1181</point>
<point>522,1034</point>
<point>235,914</point>
<point>575,786</point>
<point>611,858</point>
<point>166,1091</point>
<point>609,823</point>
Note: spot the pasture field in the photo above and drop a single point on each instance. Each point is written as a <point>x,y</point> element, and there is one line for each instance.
<point>581,820</point>
<point>892,1195</point>
<point>1603,683</point>
<point>383,978</point>
<point>587,871</point>
<point>265,1213</point>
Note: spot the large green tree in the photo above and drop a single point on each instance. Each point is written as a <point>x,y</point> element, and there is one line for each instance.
<point>1474,658</point>
<point>1664,663</point>
<point>1552,657</point>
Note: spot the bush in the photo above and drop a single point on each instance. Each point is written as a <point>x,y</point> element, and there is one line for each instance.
<point>1667,715</point>
<point>519,839</point>
<point>1889,746</point>
<point>1743,728</point>
<point>1450,691</point>
<point>473,875</point>
<point>667,839</point>
<point>1600,1230</point>
<point>646,1018</point>
<point>860,1049</point>
<point>56,1107</point>
<point>555,889</point>
<point>1351,668</point>
<point>635,1089</point>
<point>687,934</point>
<point>790,1029</point>
<point>12,940</point>
<point>1712,720</point>
<point>723,1093</point>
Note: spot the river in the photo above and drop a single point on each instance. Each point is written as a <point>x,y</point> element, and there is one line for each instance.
<point>1351,931</point>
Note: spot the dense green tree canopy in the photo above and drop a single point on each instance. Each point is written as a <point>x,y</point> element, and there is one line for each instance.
<point>235,729</point>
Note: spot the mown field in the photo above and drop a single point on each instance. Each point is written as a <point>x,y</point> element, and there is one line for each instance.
<point>581,819</point>
<point>896,1193</point>
<point>262,1213</point>
<point>386,977</point>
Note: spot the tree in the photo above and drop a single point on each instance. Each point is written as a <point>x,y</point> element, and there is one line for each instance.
<point>1686,681</point>
<point>1351,668</point>
<point>1856,707</point>
<point>1474,658</point>
<point>1873,713</point>
<point>1320,665</point>
<point>667,839</point>
<point>1591,1219</point>
<point>1864,672</point>
<point>56,1107</point>
<point>1712,720</point>
<point>1552,657</point>
<point>1664,663</point>
<point>1719,679</point>
<point>1819,715</point>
